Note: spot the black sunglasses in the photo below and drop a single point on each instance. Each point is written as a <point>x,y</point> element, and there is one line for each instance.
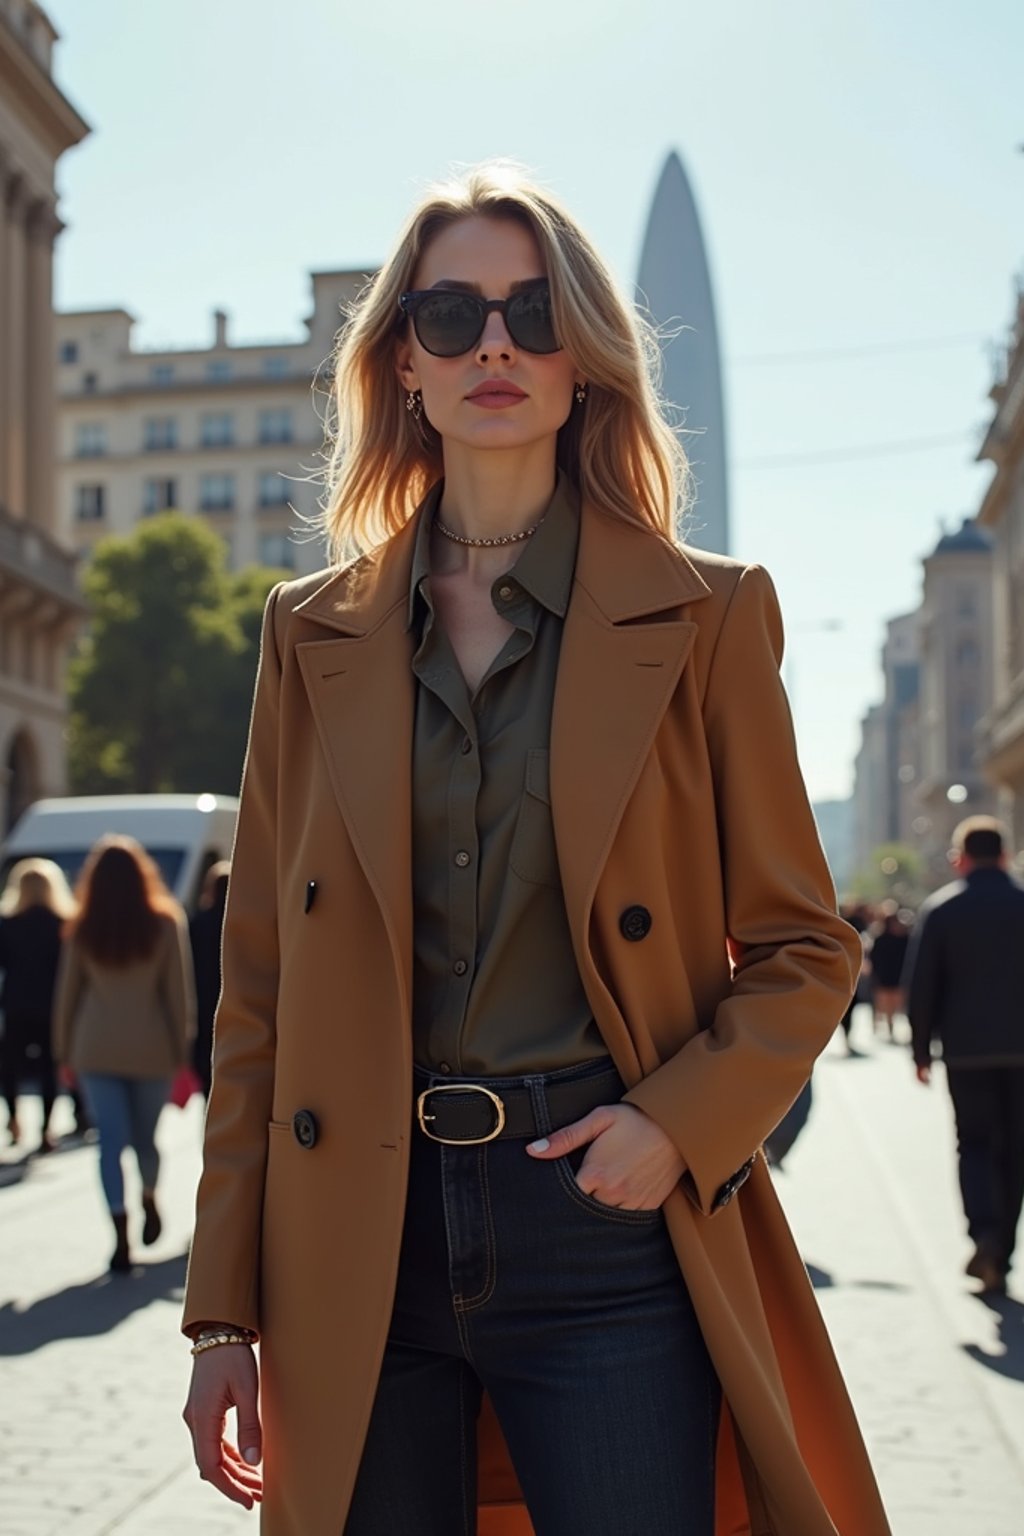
<point>448,322</point>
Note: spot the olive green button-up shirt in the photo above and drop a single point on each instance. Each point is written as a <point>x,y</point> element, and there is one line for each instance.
<point>496,990</point>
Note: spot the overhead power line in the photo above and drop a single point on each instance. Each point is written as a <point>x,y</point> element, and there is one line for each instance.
<point>855,453</point>
<point>867,349</point>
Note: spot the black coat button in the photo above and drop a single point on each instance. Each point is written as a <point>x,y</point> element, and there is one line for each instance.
<point>305,1128</point>
<point>635,924</point>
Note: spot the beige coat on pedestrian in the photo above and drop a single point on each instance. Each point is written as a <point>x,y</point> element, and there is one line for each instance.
<point>133,1020</point>
<point>674,784</point>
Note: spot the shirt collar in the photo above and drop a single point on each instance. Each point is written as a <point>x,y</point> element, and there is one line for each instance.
<point>546,566</point>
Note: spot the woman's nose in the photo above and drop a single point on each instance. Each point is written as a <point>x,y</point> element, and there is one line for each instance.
<point>495,340</point>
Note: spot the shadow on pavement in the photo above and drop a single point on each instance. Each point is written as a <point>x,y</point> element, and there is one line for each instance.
<point>84,1311</point>
<point>1010,1328</point>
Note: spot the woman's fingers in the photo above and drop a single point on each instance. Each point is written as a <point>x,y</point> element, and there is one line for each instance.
<point>560,1143</point>
<point>218,1385</point>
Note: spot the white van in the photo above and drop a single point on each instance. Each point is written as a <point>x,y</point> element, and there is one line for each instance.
<point>183,834</point>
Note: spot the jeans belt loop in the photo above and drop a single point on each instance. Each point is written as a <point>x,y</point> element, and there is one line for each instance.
<point>423,1116</point>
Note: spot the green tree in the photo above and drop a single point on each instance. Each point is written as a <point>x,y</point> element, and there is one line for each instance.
<point>160,686</point>
<point>896,871</point>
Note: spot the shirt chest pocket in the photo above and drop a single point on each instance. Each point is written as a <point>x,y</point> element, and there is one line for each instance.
<point>533,856</point>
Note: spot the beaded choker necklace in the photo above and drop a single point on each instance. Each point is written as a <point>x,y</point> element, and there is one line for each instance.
<point>501,538</point>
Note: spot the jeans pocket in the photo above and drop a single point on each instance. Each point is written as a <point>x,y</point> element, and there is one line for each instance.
<point>566,1168</point>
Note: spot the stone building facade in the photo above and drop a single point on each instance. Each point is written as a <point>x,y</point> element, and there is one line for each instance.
<point>230,433</point>
<point>1002,512</point>
<point>40,609</point>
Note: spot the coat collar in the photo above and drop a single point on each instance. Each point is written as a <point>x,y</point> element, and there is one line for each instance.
<point>628,572</point>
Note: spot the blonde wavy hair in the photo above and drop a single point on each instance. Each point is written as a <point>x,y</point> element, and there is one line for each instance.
<point>37,883</point>
<point>617,447</point>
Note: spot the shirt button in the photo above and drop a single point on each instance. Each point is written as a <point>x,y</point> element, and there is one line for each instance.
<point>462,858</point>
<point>505,592</point>
<point>460,967</point>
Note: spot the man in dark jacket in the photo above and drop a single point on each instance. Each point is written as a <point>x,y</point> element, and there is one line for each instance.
<point>965,987</point>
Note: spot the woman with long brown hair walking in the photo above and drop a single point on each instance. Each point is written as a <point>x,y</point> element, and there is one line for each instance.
<point>124,1016</point>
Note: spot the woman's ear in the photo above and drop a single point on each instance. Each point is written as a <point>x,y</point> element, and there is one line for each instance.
<point>405,367</point>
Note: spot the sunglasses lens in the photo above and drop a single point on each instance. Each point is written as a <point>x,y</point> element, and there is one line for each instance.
<point>530,321</point>
<point>448,324</point>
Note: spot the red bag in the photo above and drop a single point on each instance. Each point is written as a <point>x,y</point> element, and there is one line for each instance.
<point>186,1083</point>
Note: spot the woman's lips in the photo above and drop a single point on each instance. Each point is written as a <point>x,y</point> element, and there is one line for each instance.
<point>496,395</point>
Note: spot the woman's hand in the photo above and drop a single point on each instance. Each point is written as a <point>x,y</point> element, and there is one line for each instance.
<point>222,1378</point>
<point>630,1161</point>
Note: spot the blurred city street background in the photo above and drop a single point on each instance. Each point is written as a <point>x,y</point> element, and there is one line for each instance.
<point>95,1371</point>
<point>825,204</point>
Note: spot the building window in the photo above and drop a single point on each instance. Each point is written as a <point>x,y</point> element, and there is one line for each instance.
<point>89,503</point>
<point>161,373</point>
<point>217,493</point>
<point>68,352</point>
<point>90,383</point>
<point>217,430</point>
<point>160,432</point>
<point>159,495</point>
<point>276,367</point>
<point>219,368</point>
<point>275,426</point>
<point>273,489</point>
<point>277,549</point>
<point>90,439</point>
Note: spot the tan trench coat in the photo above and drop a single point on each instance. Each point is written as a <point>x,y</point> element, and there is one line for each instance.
<point>674,784</point>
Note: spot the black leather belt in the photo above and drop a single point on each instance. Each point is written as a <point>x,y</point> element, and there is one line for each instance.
<point>469,1113</point>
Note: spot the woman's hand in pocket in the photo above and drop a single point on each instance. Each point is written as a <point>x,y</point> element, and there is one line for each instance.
<point>630,1162</point>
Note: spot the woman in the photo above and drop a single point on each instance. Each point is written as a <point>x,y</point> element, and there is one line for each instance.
<point>888,941</point>
<point>124,1017</point>
<point>485,1080</point>
<point>33,909</point>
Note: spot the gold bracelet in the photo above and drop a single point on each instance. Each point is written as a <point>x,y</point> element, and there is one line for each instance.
<point>211,1341</point>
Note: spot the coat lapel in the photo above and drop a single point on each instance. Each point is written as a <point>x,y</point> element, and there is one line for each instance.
<point>624,648</point>
<point>360,689</point>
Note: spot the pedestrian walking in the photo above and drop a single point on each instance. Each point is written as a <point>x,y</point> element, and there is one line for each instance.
<point>481,1165</point>
<point>965,980</point>
<point>888,939</point>
<point>124,1016</point>
<point>204,932</point>
<point>33,909</point>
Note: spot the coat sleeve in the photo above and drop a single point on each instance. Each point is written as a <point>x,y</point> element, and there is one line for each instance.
<point>223,1277</point>
<point>68,990</point>
<point>795,960</point>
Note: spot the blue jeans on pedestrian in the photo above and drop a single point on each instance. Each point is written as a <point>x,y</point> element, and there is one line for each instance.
<point>573,1316</point>
<point>125,1111</point>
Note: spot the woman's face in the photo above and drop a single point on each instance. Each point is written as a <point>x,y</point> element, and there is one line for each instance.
<point>490,257</point>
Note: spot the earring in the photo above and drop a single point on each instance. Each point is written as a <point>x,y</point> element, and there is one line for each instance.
<point>581,393</point>
<point>414,403</point>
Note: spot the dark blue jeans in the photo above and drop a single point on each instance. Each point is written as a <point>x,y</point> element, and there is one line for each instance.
<point>573,1316</point>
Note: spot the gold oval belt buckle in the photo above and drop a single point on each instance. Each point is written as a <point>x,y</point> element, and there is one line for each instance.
<point>422,1114</point>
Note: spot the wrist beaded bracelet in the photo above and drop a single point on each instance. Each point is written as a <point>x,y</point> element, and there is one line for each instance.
<point>212,1340</point>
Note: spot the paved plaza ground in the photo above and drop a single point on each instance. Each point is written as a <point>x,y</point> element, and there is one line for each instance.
<point>94,1371</point>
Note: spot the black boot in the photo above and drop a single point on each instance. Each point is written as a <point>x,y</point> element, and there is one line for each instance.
<point>152,1225</point>
<point>120,1262</point>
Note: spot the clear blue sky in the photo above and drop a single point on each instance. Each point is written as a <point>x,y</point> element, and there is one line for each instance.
<point>856,166</point>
